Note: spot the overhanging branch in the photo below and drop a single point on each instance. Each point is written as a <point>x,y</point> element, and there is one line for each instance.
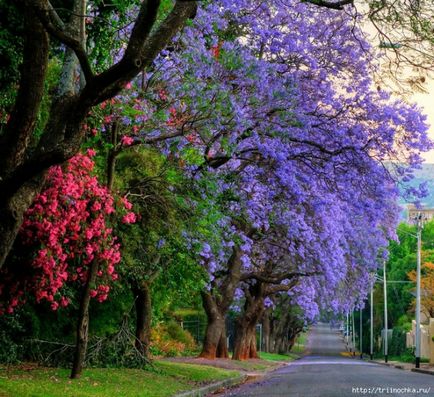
<point>45,11</point>
<point>333,5</point>
<point>277,278</point>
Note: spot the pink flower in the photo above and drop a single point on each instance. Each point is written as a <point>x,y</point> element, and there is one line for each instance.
<point>126,203</point>
<point>91,152</point>
<point>64,301</point>
<point>129,218</point>
<point>96,206</point>
<point>127,140</point>
<point>89,250</point>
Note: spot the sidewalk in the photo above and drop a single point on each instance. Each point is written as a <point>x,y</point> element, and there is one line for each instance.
<point>424,367</point>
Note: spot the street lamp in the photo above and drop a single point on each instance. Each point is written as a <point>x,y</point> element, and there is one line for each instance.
<point>418,235</point>
<point>385,311</point>
<point>371,350</point>
<point>361,336</point>
<point>354,335</point>
<point>419,246</point>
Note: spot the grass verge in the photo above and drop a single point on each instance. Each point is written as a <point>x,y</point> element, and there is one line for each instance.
<point>166,379</point>
<point>278,357</point>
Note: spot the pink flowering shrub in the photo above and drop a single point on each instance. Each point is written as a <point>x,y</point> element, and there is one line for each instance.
<point>127,140</point>
<point>69,225</point>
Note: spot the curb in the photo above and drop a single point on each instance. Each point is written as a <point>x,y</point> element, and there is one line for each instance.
<point>400,366</point>
<point>422,371</point>
<point>203,391</point>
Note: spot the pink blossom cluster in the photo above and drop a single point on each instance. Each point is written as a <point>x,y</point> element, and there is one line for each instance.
<point>70,223</point>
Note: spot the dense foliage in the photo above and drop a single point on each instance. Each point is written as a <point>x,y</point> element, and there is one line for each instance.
<point>246,143</point>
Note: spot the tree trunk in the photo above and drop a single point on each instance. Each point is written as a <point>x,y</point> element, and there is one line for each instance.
<point>143,307</point>
<point>216,303</point>
<point>215,334</point>
<point>245,340</point>
<point>83,323</point>
<point>266,330</point>
<point>222,347</point>
<point>19,131</point>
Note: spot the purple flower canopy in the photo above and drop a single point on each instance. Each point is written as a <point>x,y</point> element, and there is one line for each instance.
<point>274,102</point>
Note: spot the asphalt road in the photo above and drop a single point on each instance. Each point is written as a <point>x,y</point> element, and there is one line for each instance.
<point>325,372</point>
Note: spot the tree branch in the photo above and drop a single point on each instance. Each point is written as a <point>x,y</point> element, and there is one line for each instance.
<point>14,142</point>
<point>44,11</point>
<point>270,290</point>
<point>277,278</point>
<point>141,52</point>
<point>333,5</point>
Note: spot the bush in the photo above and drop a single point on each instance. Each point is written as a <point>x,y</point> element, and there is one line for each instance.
<point>171,340</point>
<point>176,332</point>
<point>398,342</point>
<point>10,329</point>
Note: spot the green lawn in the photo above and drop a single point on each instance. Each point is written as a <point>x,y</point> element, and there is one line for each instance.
<point>166,379</point>
<point>277,357</point>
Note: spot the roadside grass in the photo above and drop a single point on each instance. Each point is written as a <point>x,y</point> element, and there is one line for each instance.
<point>403,358</point>
<point>165,379</point>
<point>277,357</point>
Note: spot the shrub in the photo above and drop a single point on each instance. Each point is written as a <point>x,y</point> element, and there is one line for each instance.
<point>398,343</point>
<point>171,340</point>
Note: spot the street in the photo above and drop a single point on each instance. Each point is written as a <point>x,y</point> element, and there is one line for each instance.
<point>325,372</point>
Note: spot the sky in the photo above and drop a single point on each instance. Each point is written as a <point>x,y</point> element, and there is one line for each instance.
<point>427,102</point>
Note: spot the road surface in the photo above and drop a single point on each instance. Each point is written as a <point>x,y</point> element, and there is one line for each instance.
<point>324,372</point>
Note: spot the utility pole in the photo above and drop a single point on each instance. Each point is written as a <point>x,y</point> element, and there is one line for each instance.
<point>419,246</point>
<point>385,311</point>
<point>354,335</point>
<point>371,349</point>
<point>361,336</point>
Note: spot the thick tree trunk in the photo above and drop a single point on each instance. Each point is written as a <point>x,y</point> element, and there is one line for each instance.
<point>222,347</point>
<point>83,323</point>
<point>23,118</point>
<point>245,340</point>
<point>19,131</point>
<point>12,214</point>
<point>216,304</point>
<point>143,307</point>
<point>215,334</point>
